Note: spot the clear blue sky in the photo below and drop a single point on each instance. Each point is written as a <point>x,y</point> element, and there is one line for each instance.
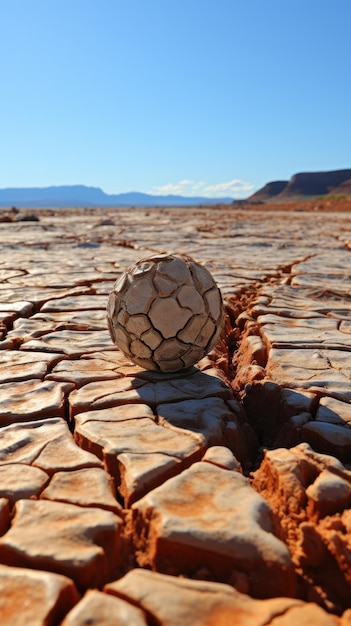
<point>208,97</point>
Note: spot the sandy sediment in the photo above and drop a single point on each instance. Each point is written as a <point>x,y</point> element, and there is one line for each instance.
<point>215,495</point>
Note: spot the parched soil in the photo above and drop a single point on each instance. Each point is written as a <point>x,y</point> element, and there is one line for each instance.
<point>220,494</point>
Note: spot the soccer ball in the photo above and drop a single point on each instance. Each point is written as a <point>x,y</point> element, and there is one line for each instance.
<point>165,312</point>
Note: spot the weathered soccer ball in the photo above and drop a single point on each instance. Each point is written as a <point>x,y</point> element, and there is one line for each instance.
<point>165,313</point>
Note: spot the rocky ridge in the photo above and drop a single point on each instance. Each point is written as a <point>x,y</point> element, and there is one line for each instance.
<point>304,186</point>
<point>213,495</point>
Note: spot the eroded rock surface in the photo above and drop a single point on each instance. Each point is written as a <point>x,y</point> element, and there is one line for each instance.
<point>310,494</point>
<point>34,597</point>
<point>195,603</point>
<point>234,471</point>
<point>81,543</point>
<point>209,522</point>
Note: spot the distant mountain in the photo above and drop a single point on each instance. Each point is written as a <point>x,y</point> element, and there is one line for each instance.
<point>304,186</point>
<point>82,196</point>
<point>344,188</point>
<point>268,191</point>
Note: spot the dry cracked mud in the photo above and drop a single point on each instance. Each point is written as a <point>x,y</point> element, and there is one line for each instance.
<point>216,495</point>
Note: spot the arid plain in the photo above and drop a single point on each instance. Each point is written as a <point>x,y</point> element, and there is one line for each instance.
<point>217,495</point>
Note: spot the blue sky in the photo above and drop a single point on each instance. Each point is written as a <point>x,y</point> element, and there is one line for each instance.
<point>198,97</point>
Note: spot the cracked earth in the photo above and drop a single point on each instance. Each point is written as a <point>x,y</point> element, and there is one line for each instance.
<point>216,495</point>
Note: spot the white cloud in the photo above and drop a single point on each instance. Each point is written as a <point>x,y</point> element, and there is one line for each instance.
<point>234,188</point>
<point>183,188</point>
<point>197,186</point>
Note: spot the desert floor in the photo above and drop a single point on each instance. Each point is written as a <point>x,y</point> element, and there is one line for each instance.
<point>218,495</point>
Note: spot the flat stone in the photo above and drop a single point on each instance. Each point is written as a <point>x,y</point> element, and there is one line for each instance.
<point>196,385</point>
<point>338,284</point>
<point>138,453</point>
<point>81,543</point>
<point>114,358</point>
<point>140,472</point>
<point>27,329</point>
<point>150,388</point>
<point>86,302</point>
<point>32,399</point>
<point>17,366</point>
<point>337,265</point>
<point>91,318</point>
<point>90,487</point>
<point>314,369</point>
<point>38,326</point>
<point>204,416</point>
<point>47,444</point>
<point>295,335</point>
<point>340,361</point>
<point>71,342</point>
<point>293,403</point>
<point>345,327</point>
<point>137,436</point>
<point>116,414</point>
<point>329,438</point>
<point>334,412</point>
<point>306,361</point>
<point>105,610</point>
<point>18,481</point>
<point>20,307</point>
<point>222,457</point>
<point>34,598</point>
<point>289,301</point>
<point>104,287</point>
<point>82,371</point>
<point>209,517</point>
<point>58,279</point>
<point>38,295</point>
<point>173,601</point>
<point>329,494</point>
<point>109,393</point>
<point>6,344</point>
<point>313,324</point>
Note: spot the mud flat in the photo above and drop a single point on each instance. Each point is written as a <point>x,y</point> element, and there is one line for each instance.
<point>217,495</point>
